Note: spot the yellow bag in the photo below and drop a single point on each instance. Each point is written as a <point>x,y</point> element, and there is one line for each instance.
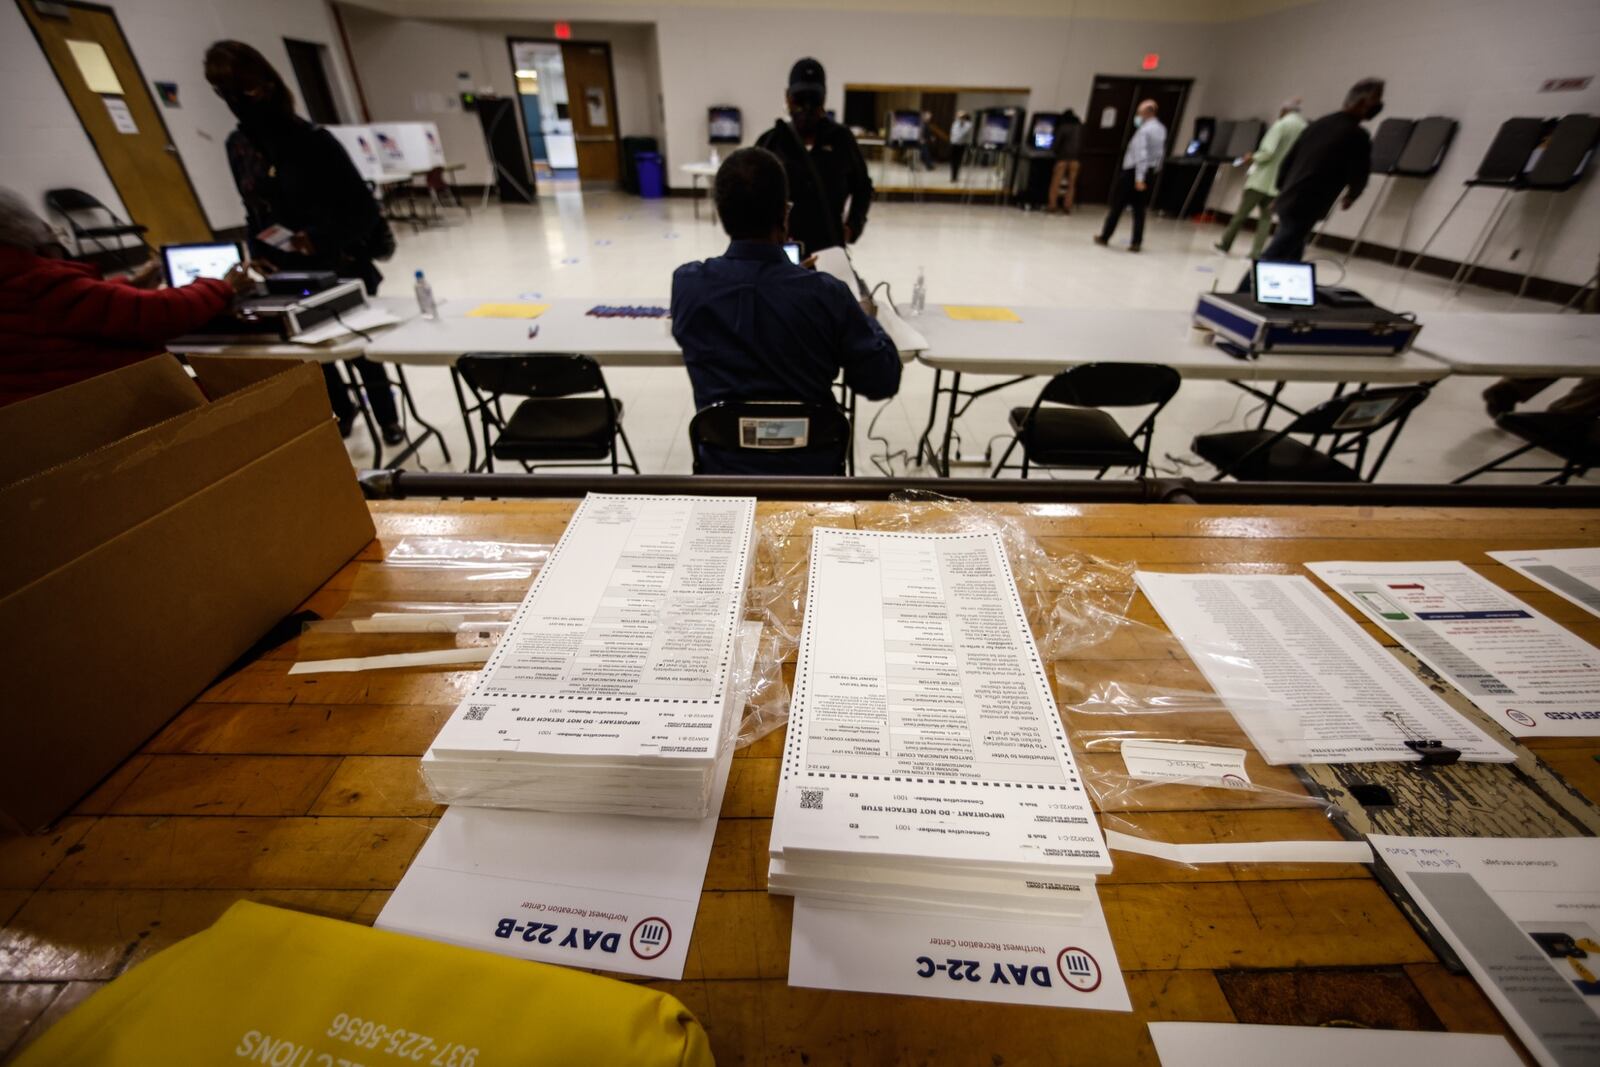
<point>274,987</point>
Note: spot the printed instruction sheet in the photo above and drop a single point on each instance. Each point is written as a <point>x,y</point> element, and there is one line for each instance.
<point>1302,679</point>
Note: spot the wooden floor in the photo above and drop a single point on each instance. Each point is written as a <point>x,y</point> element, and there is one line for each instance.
<point>303,792</point>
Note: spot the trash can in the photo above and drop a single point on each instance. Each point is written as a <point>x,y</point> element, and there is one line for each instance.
<point>649,166</point>
<point>631,147</point>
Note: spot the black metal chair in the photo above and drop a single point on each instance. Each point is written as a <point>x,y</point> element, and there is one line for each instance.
<point>554,425</point>
<point>1573,438</point>
<point>1351,420</point>
<point>89,220</point>
<point>758,431</point>
<point>1079,435</point>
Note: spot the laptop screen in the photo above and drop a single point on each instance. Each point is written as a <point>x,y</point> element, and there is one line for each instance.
<point>1294,284</point>
<point>185,263</point>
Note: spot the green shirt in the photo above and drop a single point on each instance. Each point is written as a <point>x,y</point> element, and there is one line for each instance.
<point>1263,176</point>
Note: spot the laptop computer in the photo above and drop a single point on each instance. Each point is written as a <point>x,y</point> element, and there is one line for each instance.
<point>182,264</point>
<point>1285,284</point>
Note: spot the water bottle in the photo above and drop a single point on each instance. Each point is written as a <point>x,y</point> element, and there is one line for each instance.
<point>716,157</point>
<point>919,294</point>
<point>425,303</point>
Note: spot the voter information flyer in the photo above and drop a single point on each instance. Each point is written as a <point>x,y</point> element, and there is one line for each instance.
<point>1572,573</point>
<point>922,726</point>
<point>1524,916</point>
<point>1531,675</point>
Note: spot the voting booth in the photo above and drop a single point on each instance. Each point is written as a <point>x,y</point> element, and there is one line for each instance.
<point>360,143</point>
<point>413,146</point>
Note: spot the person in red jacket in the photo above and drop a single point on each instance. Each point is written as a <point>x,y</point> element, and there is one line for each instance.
<point>61,322</point>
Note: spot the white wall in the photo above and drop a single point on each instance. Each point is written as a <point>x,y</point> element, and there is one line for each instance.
<point>1478,61</point>
<point>743,58</point>
<point>398,58</point>
<point>43,145</point>
<point>698,56</point>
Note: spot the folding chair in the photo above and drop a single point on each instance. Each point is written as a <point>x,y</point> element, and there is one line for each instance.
<point>753,434</point>
<point>554,425</point>
<point>88,219</point>
<point>1573,438</point>
<point>1351,420</point>
<point>1079,435</point>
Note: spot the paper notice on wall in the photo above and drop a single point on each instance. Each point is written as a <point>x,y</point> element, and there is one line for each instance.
<point>1301,677</point>
<point>121,117</point>
<point>1524,916</point>
<point>1108,118</point>
<point>1533,676</point>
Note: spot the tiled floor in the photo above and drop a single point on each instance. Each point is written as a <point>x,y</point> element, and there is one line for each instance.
<point>608,246</point>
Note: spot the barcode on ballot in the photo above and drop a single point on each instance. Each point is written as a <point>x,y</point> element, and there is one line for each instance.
<point>811,798</point>
<point>476,712</point>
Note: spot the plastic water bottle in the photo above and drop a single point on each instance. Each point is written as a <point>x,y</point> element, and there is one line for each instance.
<point>425,303</point>
<point>919,294</point>
<point>716,157</point>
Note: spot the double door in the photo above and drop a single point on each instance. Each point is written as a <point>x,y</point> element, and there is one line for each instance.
<point>1108,126</point>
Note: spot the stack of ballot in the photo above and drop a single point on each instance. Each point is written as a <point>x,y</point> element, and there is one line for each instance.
<point>612,690</point>
<point>926,767</point>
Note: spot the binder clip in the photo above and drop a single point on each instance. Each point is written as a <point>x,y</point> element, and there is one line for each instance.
<point>1434,753</point>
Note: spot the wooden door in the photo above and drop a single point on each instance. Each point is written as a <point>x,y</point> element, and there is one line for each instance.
<point>592,106</point>
<point>85,45</point>
<point>1106,129</point>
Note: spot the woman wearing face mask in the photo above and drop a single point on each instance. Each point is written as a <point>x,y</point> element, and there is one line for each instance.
<point>295,175</point>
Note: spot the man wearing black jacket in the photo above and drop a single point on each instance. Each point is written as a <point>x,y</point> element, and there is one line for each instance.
<point>827,177</point>
<point>1331,156</point>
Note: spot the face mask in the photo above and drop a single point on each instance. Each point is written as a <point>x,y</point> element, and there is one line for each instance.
<point>249,110</point>
<point>805,118</point>
<point>1138,120</point>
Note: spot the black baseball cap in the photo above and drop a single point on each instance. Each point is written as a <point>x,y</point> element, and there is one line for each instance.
<point>807,76</point>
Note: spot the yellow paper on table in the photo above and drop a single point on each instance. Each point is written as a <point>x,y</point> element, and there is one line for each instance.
<point>975,313</point>
<point>508,311</point>
<point>269,986</point>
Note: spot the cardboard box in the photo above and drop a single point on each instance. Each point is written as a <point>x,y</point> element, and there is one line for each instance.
<point>149,535</point>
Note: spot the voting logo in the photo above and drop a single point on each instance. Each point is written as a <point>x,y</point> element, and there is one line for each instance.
<point>1078,969</point>
<point>1521,717</point>
<point>650,937</point>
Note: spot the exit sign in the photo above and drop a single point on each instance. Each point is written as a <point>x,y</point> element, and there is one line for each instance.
<point>1152,60</point>
<point>563,31</point>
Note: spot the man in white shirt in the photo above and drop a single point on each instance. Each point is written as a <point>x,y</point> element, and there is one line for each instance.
<point>1146,149</point>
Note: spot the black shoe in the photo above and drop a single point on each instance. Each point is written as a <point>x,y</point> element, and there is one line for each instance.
<point>1099,240</point>
<point>1500,399</point>
<point>1134,248</point>
<point>393,434</point>
<point>346,423</point>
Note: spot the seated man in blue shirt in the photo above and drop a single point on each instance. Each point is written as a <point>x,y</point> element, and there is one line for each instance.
<point>754,326</point>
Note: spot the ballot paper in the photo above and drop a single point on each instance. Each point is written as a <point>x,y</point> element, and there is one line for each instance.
<point>1573,573</point>
<point>611,892</point>
<point>921,725</point>
<point>1524,916</point>
<point>1208,1044</point>
<point>1533,676</point>
<point>1060,963</point>
<point>611,688</point>
<point>1299,675</point>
